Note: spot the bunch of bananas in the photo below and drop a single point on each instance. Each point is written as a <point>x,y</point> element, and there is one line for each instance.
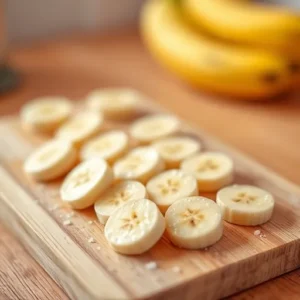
<point>233,47</point>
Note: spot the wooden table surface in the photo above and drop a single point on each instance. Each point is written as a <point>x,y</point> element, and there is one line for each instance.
<point>269,132</point>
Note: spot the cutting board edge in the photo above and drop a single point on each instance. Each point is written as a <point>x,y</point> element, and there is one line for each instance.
<point>19,225</point>
<point>187,290</point>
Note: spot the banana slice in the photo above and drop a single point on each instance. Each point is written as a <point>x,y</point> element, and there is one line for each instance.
<point>135,227</point>
<point>116,196</point>
<point>150,128</point>
<point>213,170</point>
<point>194,222</point>
<point>114,103</point>
<point>84,184</point>
<point>51,160</point>
<point>169,186</point>
<point>139,164</point>
<point>109,146</point>
<point>175,149</point>
<point>245,204</point>
<point>80,128</point>
<point>46,114</point>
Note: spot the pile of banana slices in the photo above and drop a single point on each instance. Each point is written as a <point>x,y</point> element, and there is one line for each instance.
<point>142,191</point>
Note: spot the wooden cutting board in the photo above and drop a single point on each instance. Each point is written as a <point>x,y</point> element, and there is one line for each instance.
<point>34,212</point>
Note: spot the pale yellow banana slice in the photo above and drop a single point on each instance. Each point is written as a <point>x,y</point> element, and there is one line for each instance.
<point>116,196</point>
<point>135,227</point>
<point>114,103</point>
<point>245,204</point>
<point>175,149</point>
<point>84,184</point>
<point>80,128</point>
<point>165,188</point>
<point>46,114</point>
<point>51,160</point>
<point>151,128</point>
<point>139,164</point>
<point>213,170</point>
<point>109,146</point>
<point>194,222</point>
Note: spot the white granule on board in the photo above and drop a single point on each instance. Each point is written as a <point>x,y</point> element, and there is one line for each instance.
<point>176,269</point>
<point>205,249</point>
<point>67,222</point>
<point>91,240</point>
<point>257,232</point>
<point>55,207</point>
<point>98,248</point>
<point>70,215</point>
<point>152,265</point>
<point>90,222</point>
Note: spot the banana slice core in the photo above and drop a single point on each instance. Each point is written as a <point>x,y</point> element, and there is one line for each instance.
<point>169,186</point>
<point>245,204</point>
<point>151,128</point>
<point>135,227</point>
<point>116,196</point>
<point>213,170</point>
<point>194,222</point>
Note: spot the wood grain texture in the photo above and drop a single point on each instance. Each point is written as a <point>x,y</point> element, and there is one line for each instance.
<point>20,276</point>
<point>75,66</point>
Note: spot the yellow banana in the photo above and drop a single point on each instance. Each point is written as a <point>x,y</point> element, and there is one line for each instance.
<point>269,26</point>
<point>243,21</point>
<point>207,63</point>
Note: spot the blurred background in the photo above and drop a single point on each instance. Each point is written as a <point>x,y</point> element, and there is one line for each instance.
<point>33,19</point>
<point>272,29</point>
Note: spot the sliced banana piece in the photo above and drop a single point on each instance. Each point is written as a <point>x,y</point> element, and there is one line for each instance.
<point>151,128</point>
<point>85,183</point>
<point>114,103</point>
<point>109,146</point>
<point>80,128</point>
<point>245,204</point>
<point>194,222</point>
<point>213,170</point>
<point>51,160</point>
<point>175,149</point>
<point>116,196</point>
<point>135,227</point>
<point>169,186</point>
<point>139,164</point>
<point>46,114</point>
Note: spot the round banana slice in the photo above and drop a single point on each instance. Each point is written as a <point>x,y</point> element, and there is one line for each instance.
<point>114,103</point>
<point>116,196</point>
<point>194,222</point>
<point>135,227</point>
<point>169,186</point>
<point>109,146</point>
<point>80,128</point>
<point>46,114</point>
<point>139,164</point>
<point>213,170</point>
<point>85,183</point>
<point>51,160</point>
<point>245,204</point>
<point>175,149</point>
<point>151,128</point>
